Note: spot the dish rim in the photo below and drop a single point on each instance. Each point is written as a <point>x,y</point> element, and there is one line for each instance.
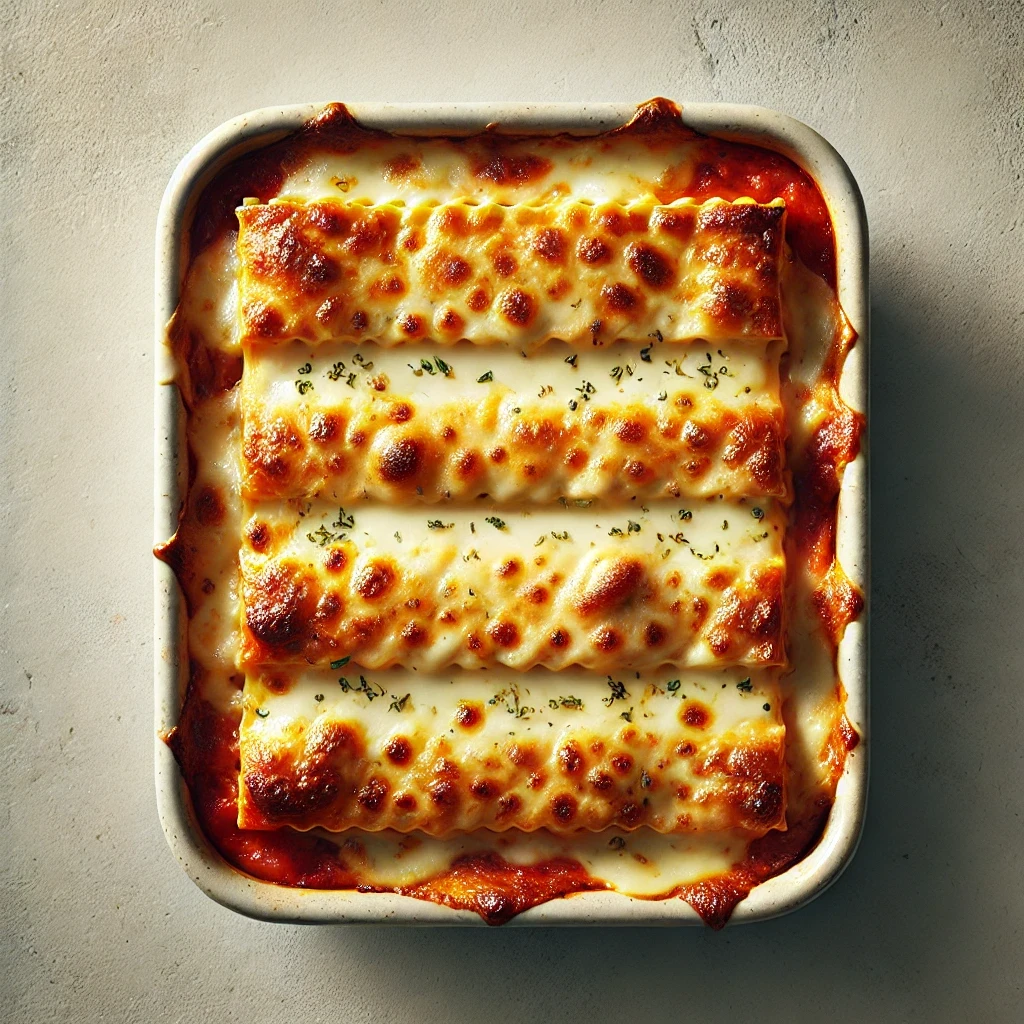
<point>230,887</point>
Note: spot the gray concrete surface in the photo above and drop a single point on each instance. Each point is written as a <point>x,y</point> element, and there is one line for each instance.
<point>925,101</point>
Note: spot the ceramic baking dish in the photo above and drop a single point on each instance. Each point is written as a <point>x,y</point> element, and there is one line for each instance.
<point>779,895</point>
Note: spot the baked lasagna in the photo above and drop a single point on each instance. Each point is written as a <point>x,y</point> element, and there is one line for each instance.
<point>508,545</point>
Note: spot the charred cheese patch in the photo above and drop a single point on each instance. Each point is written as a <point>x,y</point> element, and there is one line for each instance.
<point>697,753</point>
<point>604,591</point>
<point>362,421</point>
<point>584,273</point>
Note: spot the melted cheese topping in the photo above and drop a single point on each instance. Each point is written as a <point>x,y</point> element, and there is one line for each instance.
<point>523,274</point>
<point>283,709</point>
<point>510,750</point>
<point>610,423</point>
<point>603,591</point>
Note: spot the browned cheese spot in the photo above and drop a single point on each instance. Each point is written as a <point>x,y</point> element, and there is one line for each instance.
<point>323,427</point>
<point>449,321</point>
<point>606,639</point>
<point>504,634</point>
<point>390,286</point>
<point>651,265</point>
<point>466,462</point>
<point>765,802</point>
<point>414,635</point>
<point>618,298</point>
<point>550,244</point>
<point>576,458</point>
<point>400,412</point>
<point>593,251</point>
<point>411,325</point>
<point>679,223</point>
<point>563,808</point>
<point>512,168</point>
<point>398,750</point>
<point>719,579</point>
<point>373,794</point>
<point>279,602</point>
<point>559,638</point>
<point>517,307</point>
<point>401,167</point>
<point>630,814</point>
<point>263,321</point>
<point>612,586</point>
<point>290,795</point>
<point>654,634</point>
<point>400,460</point>
<point>570,758</point>
<point>469,714</point>
<point>510,567</point>
<point>630,431</point>
<point>695,436</point>
<point>258,535</point>
<point>508,805</point>
<point>695,715</point>
<point>446,270</point>
<point>374,580</point>
<point>443,792</point>
<point>505,264</point>
<point>328,607</point>
<point>209,509</point>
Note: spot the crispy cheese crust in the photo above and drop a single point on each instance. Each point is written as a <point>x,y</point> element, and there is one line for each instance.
<point>522,274</point>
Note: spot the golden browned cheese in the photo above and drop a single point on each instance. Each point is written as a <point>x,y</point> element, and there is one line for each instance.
<point>585,273</point>
<point>690,592</point>
<point>392,446</point>
<point>513,752</point>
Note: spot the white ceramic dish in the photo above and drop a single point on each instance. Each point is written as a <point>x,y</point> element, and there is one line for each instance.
<point>782,894</point>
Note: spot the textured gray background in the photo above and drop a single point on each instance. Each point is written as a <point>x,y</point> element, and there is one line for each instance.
<point>100,101</point>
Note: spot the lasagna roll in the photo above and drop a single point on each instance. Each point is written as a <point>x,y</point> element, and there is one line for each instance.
<point>363,421</point>
<point>600,590</point>
<point>699,752</point>
<point>585,273</point>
